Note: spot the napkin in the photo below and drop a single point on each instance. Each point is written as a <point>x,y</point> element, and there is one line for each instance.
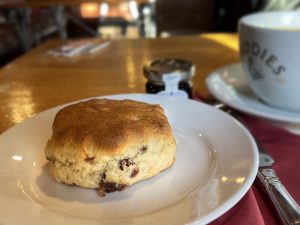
<point>284,147</point>
<point>76,48</point>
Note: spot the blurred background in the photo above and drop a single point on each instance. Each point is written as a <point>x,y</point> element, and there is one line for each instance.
<point>25,24</point>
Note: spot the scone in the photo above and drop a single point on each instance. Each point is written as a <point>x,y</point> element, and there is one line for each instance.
<point>109,144</point>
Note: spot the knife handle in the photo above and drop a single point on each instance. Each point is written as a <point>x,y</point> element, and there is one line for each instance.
<point>287,208</point>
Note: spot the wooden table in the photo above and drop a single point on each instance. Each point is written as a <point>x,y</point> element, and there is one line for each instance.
<point>37,81</point>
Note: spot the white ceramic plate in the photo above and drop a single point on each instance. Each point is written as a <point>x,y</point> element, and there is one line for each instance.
<point>216,164</point>
<point>228,84</point>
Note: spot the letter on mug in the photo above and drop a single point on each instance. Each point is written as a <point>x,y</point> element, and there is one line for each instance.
<point>255,49</point>
<point>271,60</point>
<point>279,70</point>
<point>263,54</point>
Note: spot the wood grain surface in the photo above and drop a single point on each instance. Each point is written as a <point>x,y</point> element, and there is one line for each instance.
<point>37,81</point>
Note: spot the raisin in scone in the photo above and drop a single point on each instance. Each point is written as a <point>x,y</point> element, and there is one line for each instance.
<point>109,144</point>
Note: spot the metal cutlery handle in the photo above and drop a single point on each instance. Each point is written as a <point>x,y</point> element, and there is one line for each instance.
<point>285,205</point>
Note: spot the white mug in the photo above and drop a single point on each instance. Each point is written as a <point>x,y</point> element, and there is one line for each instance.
<point>270,56</point>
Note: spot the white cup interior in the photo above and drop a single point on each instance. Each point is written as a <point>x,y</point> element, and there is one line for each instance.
<point>285,20</point>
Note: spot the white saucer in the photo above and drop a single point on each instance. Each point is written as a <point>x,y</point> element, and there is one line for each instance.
<point>229,85</point>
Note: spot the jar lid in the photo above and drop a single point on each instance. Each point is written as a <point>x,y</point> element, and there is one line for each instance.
<point>154,70</point>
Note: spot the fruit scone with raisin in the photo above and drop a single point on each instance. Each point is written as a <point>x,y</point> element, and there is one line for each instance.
<point>109,144</point>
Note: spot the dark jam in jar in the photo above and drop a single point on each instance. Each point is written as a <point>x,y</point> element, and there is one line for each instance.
<point>155,70</point>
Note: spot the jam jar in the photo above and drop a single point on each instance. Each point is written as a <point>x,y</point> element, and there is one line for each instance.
<point>181,71</point>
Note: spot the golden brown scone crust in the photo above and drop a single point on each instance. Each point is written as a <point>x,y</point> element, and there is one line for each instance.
<point>109,144</point>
